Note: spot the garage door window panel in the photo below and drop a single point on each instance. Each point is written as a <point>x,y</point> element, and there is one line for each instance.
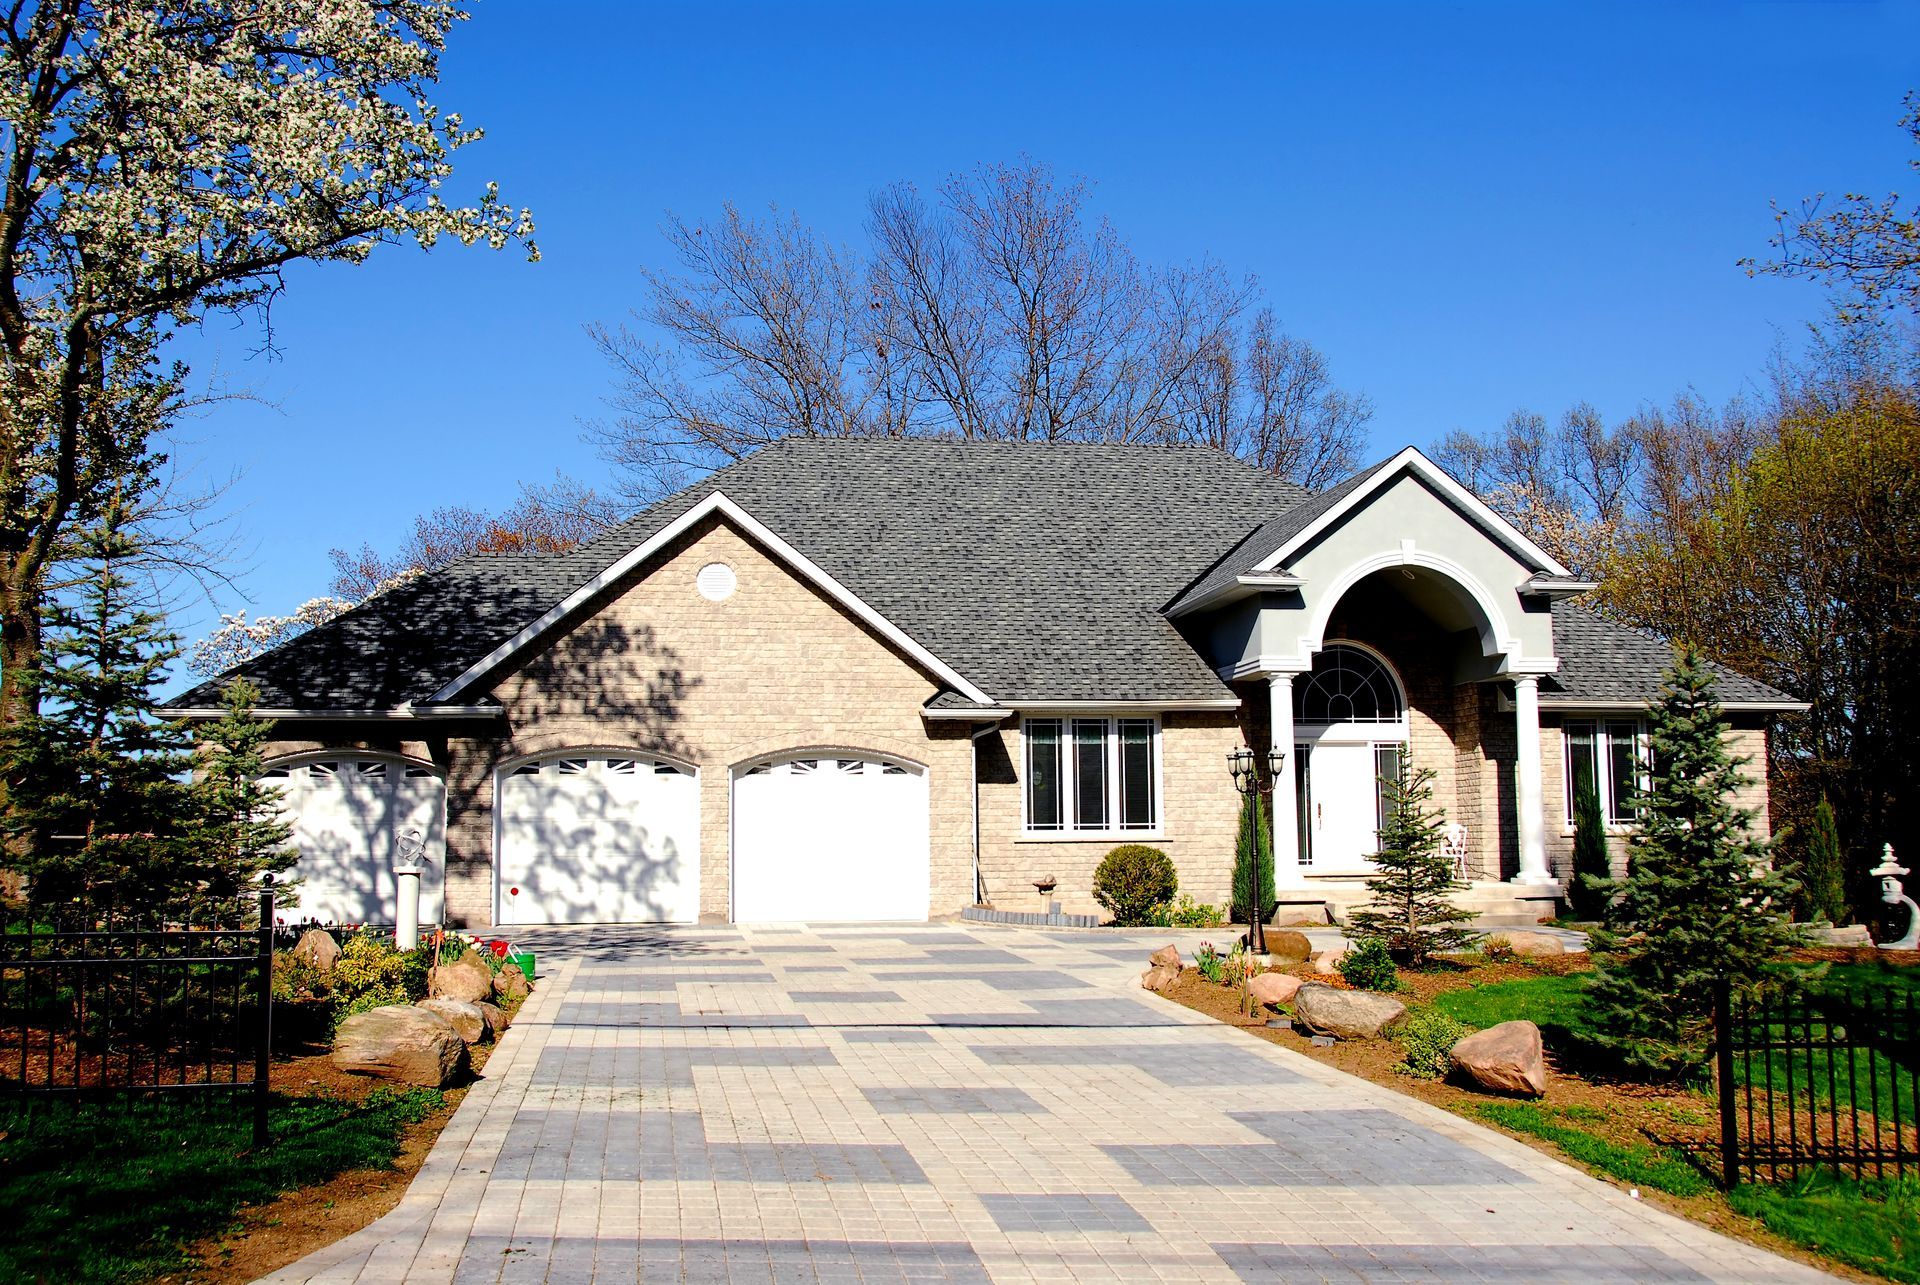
<point>1092,776</point>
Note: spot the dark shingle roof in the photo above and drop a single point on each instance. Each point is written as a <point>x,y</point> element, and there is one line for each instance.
<point>1037,571</point>
<point>1603,660</point>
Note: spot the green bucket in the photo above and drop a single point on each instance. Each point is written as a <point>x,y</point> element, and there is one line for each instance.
<point>525,961</point>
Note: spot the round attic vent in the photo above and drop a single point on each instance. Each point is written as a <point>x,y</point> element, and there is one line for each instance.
<point>716,582</point>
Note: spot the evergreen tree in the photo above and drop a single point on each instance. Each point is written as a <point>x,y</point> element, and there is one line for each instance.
<point>1254,844</point>
<point>1823,870</point>
<point>1592,870</point>
<point>1409,910</point>
<point>240,832</point>
<point>1700,902</point>
<point>98,801</point>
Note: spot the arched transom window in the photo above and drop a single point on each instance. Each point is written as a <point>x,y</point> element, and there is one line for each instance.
<point>1346,685</point>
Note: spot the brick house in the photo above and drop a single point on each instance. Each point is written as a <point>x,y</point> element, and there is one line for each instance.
<point>889,680</point>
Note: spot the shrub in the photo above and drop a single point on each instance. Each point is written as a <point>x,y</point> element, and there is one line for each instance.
<point>1592,869</point>
<point>1823,871</point>
<point>1207,961</point>
<point>1428,1036</point>
<point>1131,881</point>
<point>1188,913</point>
<point>370,965</point>
<point>1253,846</point>
<point>296,979</point>
<point>1499,950</point>
<point>1370,967</point>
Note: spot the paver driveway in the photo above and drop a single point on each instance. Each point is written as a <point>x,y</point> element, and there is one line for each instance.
<point>946,1104</point>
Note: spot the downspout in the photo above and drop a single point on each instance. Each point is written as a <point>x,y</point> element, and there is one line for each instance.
<point>978,892</point>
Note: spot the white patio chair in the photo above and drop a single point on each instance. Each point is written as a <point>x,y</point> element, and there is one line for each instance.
<point>1454,846</point>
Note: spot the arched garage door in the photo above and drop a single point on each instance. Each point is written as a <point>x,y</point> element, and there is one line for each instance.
<point>830,839</point>
<point>348,817</point>
<point>598,839</point>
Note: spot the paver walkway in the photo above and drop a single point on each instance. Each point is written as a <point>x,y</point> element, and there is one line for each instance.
<point>973,1104</point>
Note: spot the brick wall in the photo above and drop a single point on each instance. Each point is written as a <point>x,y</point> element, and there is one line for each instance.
<point>1199,812</point>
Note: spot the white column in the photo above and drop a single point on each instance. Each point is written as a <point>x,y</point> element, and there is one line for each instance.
<point>1533,827</point>
<point>1286,806</point>
<point>406,920</point>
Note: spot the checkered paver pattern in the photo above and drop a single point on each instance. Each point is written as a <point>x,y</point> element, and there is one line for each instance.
<point>939,1104</point>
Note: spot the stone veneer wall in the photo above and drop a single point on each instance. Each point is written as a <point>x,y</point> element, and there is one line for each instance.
<point>1199,811</point>
<point>1747,738</point>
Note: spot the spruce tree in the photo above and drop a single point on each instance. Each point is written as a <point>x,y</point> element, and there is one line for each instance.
<point>98,800</point>
<point>1592,870</point>
<point>1700,903</point>
<point>1409,910</point>
<point>240,832</point>
<point>1823,871</point>
<point>1252,845</point>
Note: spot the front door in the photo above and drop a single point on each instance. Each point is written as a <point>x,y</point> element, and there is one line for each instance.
<point>1340,803</point>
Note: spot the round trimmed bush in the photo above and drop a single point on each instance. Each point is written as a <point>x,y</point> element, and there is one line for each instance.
<point>1132,881</point>
<point>1369,966</point>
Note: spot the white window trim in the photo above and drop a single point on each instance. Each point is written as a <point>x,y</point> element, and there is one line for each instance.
<point>1070,796</point>
<point>1602,766</point>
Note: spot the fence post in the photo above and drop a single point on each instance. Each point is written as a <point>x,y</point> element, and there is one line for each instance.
<point>263,998</point>
<point>1723,1072</point>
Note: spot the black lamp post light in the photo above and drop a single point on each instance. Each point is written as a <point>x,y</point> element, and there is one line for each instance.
<point>1246,779</point>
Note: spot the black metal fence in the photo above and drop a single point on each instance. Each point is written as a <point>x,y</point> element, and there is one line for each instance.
<point>99,1003</point>
<point>1812,1080</point>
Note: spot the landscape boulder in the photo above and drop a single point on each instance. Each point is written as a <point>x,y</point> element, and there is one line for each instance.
<point>510,983</point>
<point>1327,962</point>
<point>1273,988</point>
<point>1160,977</point>
<point>1314,916</point>
<point>317,947</point>
<point>467,978</point>
<point>1506,1058</point>
<point>1530,944</point>
<point>1167,956</point>
<point>1851,935</point>
<point>1289,947</point>
<point>1347,1015</point>
<point>468,1018</point>
<point>401,1043</point>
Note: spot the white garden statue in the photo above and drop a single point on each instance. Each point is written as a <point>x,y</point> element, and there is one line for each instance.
<point>1893,894</point>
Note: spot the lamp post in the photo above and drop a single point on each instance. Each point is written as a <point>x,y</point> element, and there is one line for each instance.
<point>1246,779</point>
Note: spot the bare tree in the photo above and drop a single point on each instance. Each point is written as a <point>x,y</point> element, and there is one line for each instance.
<point>1001,309</point>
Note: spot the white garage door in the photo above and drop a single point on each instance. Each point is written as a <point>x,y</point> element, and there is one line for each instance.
<point>598,839</point>
<point>830,839</point>
<point>349,815</point>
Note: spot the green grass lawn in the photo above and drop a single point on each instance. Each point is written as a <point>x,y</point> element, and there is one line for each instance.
<point>1874,1226</point>
<point>109,1193</point>
<point>1639,1163</point>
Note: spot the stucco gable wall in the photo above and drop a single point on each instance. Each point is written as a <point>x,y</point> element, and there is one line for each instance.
<point>658,668</point>
<point>1376,535</point>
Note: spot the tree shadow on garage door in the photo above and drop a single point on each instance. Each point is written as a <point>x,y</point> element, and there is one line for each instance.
<point>598,838</point>
<point>351,836</point>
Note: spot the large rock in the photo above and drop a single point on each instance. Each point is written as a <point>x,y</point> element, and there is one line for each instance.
<point>1327,962</point>
<point>1168,956</point>
<point>1273,988</point>
<point>317,947</point>
<point>467,978</point>
<point>468,1018</point>
<point>1530,944</point>
<point>1851,935</point>
<point>1289,947</point>
<point>1160,977</point>
<point>510,983</point>
<point>1506,1058</point>
<point>401,1043</point>
<point>1350,1015</point>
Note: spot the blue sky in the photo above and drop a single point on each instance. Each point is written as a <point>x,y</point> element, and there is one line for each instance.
<point>1469,208</point>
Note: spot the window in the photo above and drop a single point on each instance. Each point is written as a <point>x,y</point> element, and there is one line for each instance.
<point>1612,758</point>
<point>1346,685</point>
<point>1092,774</point>
<point>1386,771</point>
